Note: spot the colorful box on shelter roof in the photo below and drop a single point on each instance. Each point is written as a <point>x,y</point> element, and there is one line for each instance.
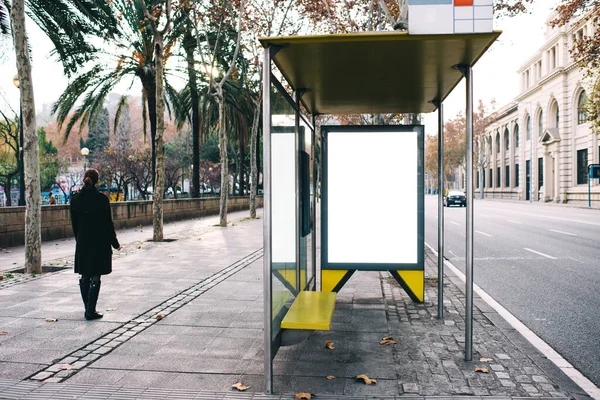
<point>450,16</point>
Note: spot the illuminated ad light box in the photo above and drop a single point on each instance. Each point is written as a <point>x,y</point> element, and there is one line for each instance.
<point>373,198</point>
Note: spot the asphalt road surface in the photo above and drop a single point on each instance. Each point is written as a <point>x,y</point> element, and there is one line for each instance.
<point>541,262</point>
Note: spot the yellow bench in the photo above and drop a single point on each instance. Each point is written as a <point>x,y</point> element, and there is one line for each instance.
<point>310,311</point>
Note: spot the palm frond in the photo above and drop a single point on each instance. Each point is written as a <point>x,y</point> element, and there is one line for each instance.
<point>120,106</point>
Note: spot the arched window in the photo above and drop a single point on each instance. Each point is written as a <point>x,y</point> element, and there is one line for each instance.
<point>497,141</point>
<point>506,139</point>
<point>516,138</point>
<point>582,104</point>
<point>528,127</point>
<point>557,117</point>
<point>490,146</point>
<point>540,123</point>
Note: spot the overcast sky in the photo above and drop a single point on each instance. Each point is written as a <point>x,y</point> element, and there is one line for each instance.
<point>494,76</point>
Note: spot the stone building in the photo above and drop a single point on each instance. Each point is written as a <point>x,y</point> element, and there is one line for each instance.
<point>540,145</point>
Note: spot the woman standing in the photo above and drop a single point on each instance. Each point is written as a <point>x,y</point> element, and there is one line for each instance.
<point>95,234</point>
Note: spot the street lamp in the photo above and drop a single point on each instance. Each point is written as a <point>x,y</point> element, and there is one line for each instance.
<point>17,84</point>
<point>84,152</point>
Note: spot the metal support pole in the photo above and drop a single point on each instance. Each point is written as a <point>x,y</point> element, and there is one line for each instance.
<point>21,160</point>
<point>299,147</point>
<point>468,74</point>
<point>440,108</point>
<point>267,252</point>
<point>313,214</point>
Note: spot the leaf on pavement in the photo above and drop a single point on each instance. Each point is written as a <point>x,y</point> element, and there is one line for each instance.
<point>50,319</point>
<point>389,337</point>
<point>66,366</point>
<point>302,395</point>
<point>1,277</point>
<point>485,359</point>
<point>240,386</point>
<point>160,316</point>
<point>330,377</point>
<point>329,344</point>
<point>3,333</point>
<point>387,342</point>
<point>482,370</point>
<point>366,379</point>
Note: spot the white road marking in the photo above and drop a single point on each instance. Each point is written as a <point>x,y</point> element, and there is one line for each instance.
<point>483,233</point>
<point>455,223</point>
<point>515,222</point>
<point>528,334</point>
<point>451,252</point>
<point>541,254</point>
<point>564,233</point>
<point>574,259</point>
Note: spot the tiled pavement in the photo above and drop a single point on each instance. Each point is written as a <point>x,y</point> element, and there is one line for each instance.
<point>208,287</point>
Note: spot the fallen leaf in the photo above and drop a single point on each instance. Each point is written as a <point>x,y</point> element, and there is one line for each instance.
<point>66,366</point>
<point>485,359</point>
<point>3,333</point>
<point>160,316</point>
<point>303,395</point>
<point>51,319</point>
<point>387,342</point>
<point>387,338</point>
<point>329,344</point>
<point>240,386</point>
<point>138,247</point>
<point>482,370</point>
<point>366,379</point>
<point>1,277</point>
<point>330,377</point>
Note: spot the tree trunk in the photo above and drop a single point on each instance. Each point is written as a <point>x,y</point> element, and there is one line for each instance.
<point>189,46</point>
<point>159,171</point>
<point>149,85</point>
<point>7,190</point>
<point>33,210</point>
<point>253,158</point>
<point>235,176</point>
<point>223,154</point>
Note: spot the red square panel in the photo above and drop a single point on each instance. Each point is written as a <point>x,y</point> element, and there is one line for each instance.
<point>458,3</point>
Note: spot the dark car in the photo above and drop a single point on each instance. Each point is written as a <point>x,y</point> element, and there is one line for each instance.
<point>455,197</point>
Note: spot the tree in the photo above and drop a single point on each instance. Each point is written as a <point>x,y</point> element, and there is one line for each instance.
<point>98,135</point>
<point>33,200</point>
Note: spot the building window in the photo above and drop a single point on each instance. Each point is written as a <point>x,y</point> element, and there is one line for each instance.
<point>557,117</point>
<point>482,172</point>
<point>516,175</point>
<point>497,142</point>
<point>491,184</point>
<point>540,123</point>
<point>582,166</point>
<point>553,57</point>
<point>498,177</point>
<point>516,139</point>
<point>506,139</point>
<point>540,172</point>
<point>582,108</point>
<point>507,177</point>
<point>529,127</point>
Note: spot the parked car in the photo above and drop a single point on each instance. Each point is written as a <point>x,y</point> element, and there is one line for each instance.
<point>455,197</point>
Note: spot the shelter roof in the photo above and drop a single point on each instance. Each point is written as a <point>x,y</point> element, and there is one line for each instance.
<point>376,72</point>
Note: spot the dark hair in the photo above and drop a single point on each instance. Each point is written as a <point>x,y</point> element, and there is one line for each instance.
<point>90,178</point>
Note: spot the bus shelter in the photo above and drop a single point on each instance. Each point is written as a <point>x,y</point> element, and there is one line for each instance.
<point>305,168</point>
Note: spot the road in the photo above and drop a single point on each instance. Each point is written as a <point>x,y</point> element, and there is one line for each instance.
<point>541,262</point>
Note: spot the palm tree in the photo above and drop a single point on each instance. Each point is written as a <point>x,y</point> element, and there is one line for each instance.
<point>130,57</point>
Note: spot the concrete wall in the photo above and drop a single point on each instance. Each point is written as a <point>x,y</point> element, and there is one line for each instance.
<point>56,220</point>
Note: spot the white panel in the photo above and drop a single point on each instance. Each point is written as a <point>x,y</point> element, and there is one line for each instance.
<point>482,2</point>
<point>428,19</point>
<point>463,26</point>
<point>283,197</point>
<point>464,12</point>
<point>372,197</point>
<point>484,12</point>
<point>484,25</point>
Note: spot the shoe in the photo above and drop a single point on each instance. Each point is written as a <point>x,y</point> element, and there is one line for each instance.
<point>90,310</point>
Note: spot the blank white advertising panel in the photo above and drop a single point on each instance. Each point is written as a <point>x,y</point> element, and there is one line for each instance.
<point>283,197</point>
<point>372,192</point>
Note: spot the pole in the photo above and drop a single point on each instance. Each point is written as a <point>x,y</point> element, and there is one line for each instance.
<point>589,189</point>
<point>440,108</point>
<point>299,146</point>
<point>313,214</point>
<point>468,74</point>
<point>267,289</point>
<point>21,161</point>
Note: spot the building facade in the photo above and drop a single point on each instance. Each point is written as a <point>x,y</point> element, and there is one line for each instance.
<point>539,146</point>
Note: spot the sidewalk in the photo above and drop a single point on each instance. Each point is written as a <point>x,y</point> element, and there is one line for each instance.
<point>208,287</point>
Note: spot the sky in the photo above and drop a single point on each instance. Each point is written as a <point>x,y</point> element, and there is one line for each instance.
<point>495,75</point>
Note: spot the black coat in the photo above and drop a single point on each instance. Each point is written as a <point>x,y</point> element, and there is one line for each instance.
<point>94,232</point>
